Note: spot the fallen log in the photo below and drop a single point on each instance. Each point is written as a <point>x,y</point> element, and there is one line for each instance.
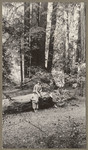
<point>24,103</point>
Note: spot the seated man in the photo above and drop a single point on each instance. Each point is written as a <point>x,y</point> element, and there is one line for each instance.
<point>37,93</point>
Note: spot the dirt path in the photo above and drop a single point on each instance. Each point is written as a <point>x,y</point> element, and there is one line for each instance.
<point>27,130</point>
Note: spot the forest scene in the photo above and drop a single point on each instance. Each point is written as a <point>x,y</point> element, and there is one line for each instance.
<point>44,42</point>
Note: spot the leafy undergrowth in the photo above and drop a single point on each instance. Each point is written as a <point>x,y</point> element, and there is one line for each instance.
<point>47,81</point>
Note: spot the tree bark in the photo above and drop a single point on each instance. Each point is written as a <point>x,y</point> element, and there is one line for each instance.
<point>76,33</point>
<point>82,11</point>
<point>42,24</point>
<point>67,26</point>
<point>48,28</point>
<point>26,37</point>
<point>21,66</point>
<point>51,44</point>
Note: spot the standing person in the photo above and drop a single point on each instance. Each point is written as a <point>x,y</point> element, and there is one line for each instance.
<point>37,94</point>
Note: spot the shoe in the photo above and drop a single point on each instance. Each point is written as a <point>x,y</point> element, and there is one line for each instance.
<point>55,106</point>
<point>35,110</point>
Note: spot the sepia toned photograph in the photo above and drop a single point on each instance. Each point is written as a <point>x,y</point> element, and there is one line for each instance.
<point>44,75</point>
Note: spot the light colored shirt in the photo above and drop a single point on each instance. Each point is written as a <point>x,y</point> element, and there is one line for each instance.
<point>37,89</point>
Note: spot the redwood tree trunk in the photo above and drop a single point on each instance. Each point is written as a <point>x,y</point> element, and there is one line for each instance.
<point>48,29</point>
<point>51,44</point>
<point>42,24</point>
<point>21,67</point>
<point>82,11</point>
<point>66,13</point>
<point>26,37</point>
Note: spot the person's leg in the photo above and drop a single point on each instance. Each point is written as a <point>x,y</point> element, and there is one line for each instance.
<point>37,102</point>
<point>37,106</point>
<point>34,105</point>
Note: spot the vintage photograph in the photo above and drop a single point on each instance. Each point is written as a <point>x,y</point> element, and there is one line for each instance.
<point>44,75</point>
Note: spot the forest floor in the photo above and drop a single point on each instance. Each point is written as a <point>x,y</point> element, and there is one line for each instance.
<point>61,127</point>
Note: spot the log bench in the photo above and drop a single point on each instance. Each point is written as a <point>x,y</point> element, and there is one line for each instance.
<point>23,103</point>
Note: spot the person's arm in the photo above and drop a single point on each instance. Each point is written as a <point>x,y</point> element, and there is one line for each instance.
<point>36,90</point>
<point>41,89</point>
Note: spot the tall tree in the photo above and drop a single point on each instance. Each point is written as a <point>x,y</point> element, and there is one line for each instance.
<point>66,16</point>
<point>13,27</point>
<point>26,37</point>
<point>82,13</point>
<point>42,24</point>
<point>48,29</point>
<point>59,46</point>
<point>22,61</point>
<point>51,44</point>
